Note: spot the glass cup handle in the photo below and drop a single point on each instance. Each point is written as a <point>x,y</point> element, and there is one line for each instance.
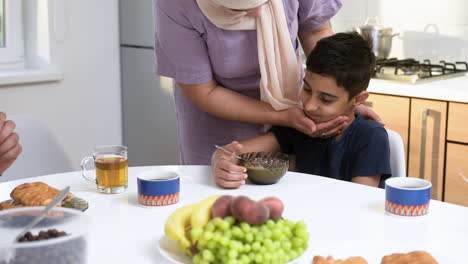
<point>84,171</point>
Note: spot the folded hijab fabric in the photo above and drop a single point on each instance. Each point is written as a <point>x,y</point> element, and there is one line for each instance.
<point>280,66</point>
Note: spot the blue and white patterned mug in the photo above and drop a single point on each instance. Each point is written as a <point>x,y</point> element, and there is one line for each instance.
<point>158,188</point>
<point>406,196</point>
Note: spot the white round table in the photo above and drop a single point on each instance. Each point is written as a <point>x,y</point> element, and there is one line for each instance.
<point>344,219</point>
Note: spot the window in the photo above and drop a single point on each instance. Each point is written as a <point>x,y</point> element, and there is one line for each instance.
<point>25,41</point>
<point>2,23</point>
<point>11,48</point>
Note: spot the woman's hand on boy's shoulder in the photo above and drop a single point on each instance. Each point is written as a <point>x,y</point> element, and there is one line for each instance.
<point>369,114</point>
<point>224,167</point>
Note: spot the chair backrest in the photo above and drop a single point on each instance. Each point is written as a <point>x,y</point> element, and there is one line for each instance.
<point>397,154</point>
<point>41,154</point>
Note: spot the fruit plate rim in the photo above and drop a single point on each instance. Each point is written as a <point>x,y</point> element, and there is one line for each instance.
<point>169,250</point>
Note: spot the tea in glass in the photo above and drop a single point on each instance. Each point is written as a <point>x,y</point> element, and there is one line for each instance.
<point>111,168</point>
<point>111,172</point>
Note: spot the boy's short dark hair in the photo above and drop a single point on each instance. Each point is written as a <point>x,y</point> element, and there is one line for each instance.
<point>347,58</point>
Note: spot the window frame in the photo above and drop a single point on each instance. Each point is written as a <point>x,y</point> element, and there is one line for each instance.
<point>12,55</point>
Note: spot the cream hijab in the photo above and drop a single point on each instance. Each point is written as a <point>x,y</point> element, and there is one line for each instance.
<point>280,67</point>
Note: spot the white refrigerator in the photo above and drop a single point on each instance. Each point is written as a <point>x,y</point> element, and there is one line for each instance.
<point>149,121</point>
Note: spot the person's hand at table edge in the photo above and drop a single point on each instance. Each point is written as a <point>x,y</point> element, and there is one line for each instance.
<point>10,147</point>
<point>224,167</point>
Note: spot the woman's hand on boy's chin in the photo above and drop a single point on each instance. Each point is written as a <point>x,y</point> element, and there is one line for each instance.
<point>331,128</point>
<point>224,167</point>
<point>298,120</point>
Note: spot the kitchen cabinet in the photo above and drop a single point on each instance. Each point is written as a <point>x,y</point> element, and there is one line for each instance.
<point>428,127</point>
<point>394,110</point>
<point>457,122</point>
<point>456,173</point>
<point>427,143</point>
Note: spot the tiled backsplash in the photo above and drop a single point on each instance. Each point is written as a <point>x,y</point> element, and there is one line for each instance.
<point>431,29</point>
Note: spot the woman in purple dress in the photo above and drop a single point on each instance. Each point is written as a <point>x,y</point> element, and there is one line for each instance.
<point>211,49</point>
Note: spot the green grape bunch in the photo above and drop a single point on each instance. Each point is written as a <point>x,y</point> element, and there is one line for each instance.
<point>229,241</point>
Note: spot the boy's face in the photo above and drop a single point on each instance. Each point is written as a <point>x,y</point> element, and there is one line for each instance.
<point>323,100</point>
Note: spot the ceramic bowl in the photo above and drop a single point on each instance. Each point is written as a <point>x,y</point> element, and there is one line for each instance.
<point>265,167</point>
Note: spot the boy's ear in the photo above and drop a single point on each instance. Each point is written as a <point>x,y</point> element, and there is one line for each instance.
<point>361,97</point>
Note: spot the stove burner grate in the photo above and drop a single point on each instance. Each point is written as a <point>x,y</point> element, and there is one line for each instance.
<point>413,70</point>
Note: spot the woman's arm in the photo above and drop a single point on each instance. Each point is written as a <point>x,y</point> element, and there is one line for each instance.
<point>221,102</point>
<point>224,103</point>
<point>372,181</point>
<point>309,38</point>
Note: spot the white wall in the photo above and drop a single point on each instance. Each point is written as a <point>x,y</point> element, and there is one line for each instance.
<point>432,29</point>
<point>84,109</point>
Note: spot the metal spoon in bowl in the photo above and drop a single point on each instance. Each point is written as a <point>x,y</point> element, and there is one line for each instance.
<point>44,212</point>
<point>233,154</point>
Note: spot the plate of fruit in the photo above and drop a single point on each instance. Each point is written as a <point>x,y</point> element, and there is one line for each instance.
<point>233,229</point>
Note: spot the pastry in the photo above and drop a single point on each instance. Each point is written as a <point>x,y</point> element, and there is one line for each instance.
<point>331,260</point>
<point>4,206</point>
<point>415,257</point>
<point>36,194</point>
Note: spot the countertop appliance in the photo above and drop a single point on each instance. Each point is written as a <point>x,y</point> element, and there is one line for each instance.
<point>412,71</point>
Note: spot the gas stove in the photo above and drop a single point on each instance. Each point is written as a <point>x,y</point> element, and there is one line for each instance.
<point>413,72</point>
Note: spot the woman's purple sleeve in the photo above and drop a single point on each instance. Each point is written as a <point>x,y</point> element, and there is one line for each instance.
<point>181,52</point>
<point>313,13</point>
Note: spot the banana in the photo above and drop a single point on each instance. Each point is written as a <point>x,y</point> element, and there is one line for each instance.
<point>176,226</point>
<point>190,216</point>
<point>202,212</point>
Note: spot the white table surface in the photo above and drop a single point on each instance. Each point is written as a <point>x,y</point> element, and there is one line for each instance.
<point>344,219</point>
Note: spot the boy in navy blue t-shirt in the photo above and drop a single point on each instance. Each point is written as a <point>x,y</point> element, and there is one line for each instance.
<point>338,72</point>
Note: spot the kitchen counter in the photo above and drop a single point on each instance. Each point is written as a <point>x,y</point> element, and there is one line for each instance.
<point>453,90</point>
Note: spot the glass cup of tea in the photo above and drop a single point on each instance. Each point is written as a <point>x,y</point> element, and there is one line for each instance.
<point>111,168</point>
